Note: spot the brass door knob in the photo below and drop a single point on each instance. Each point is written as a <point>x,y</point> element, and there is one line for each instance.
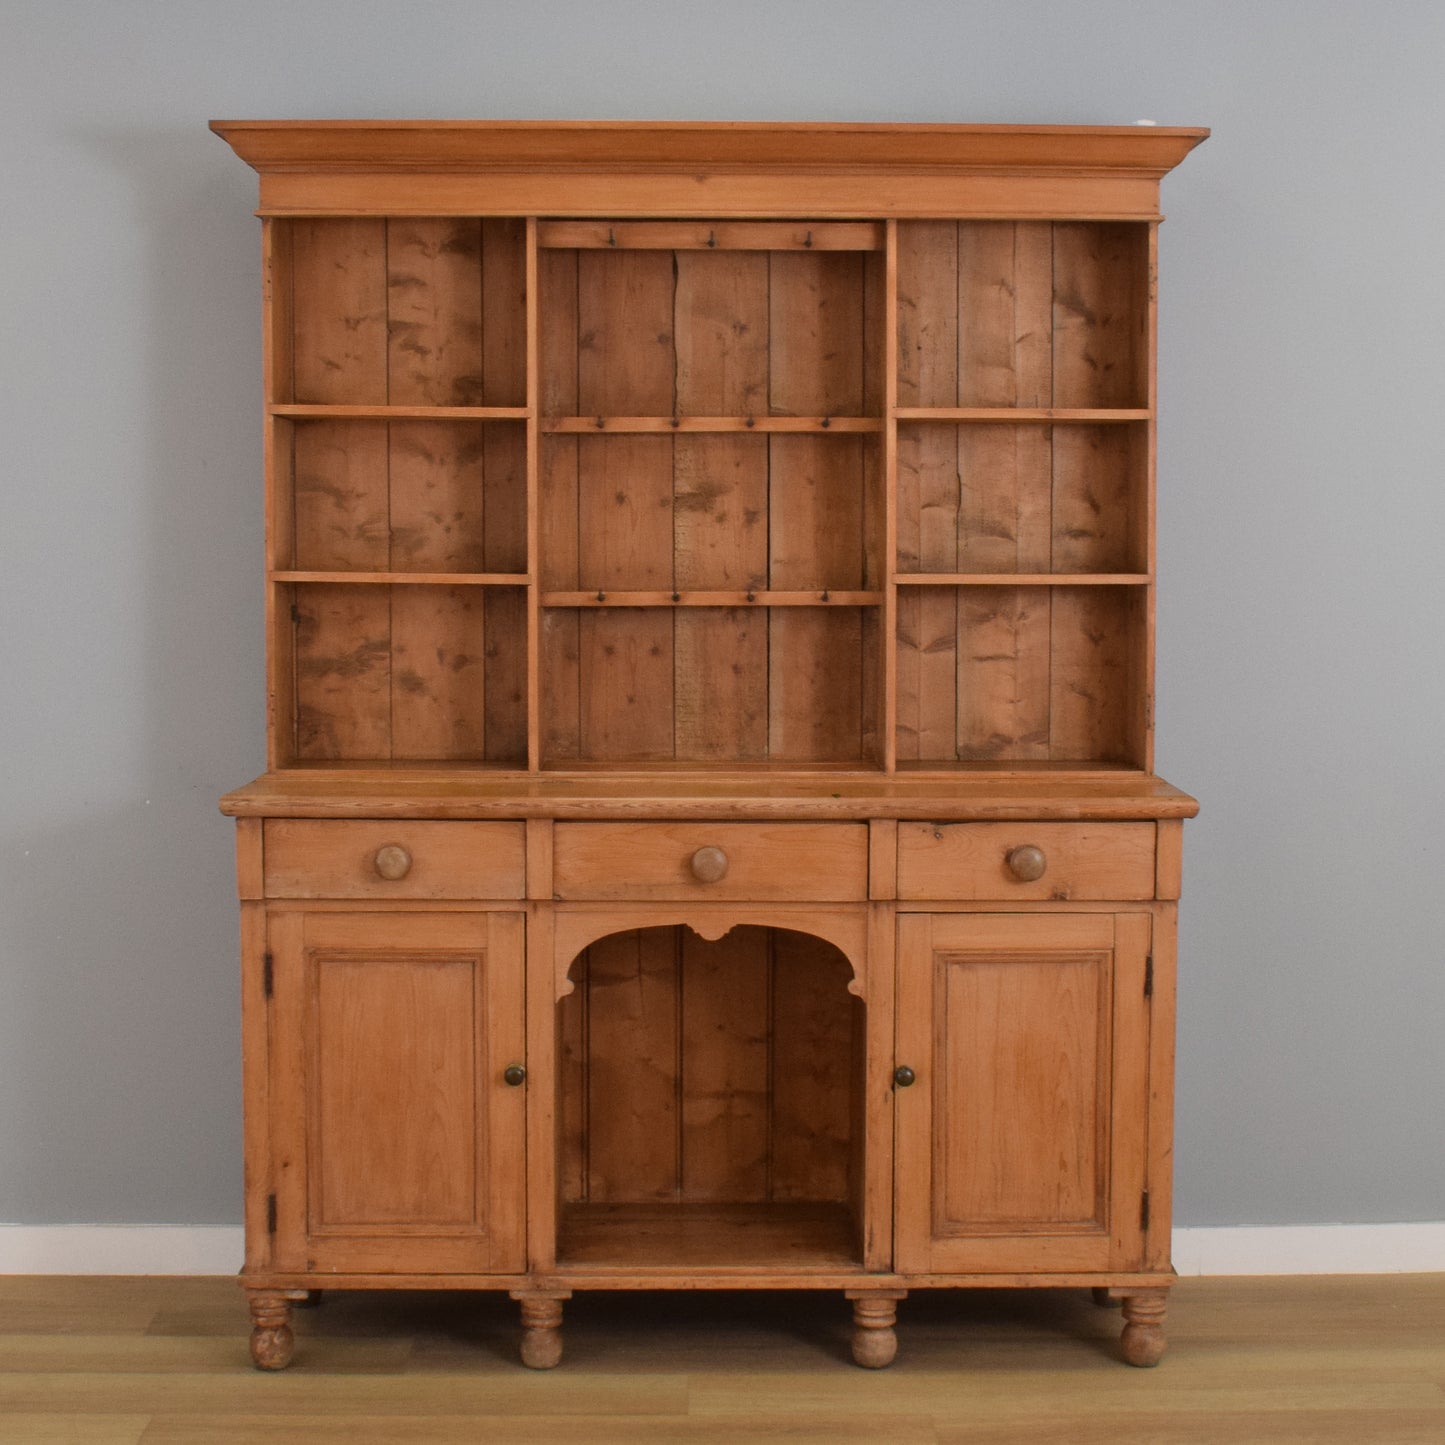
<point>709,865</point>
<point>515,1074</point>
<point>392,861</point>
<point>1027,862</point>
<point>903,1076</point>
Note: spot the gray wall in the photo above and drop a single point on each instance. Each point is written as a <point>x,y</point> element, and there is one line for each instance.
<point>1300,652</point>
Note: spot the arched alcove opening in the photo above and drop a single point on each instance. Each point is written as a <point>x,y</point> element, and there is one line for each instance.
<point>710,1102</point>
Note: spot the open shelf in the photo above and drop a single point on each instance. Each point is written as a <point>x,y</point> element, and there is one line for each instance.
<point>710,1102</point>
<point>1032,314</point>
<point>406,311</point>
<point>409,579</point>
<point>400,496</point>
<point>1023,579</point>
<point>1024,415</point>
<point>402,672</point>
<point>633,685</point>
<point>1018,673</point>
<point>783,1236</point>
<point>642,475</point>
<point>985,499</point>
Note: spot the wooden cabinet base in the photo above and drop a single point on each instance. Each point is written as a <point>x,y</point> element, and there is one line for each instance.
<point>875,1300</point>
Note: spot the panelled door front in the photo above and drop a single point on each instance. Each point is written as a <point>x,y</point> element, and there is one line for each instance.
<point>1021,1143</point>
<point>398,1141</point>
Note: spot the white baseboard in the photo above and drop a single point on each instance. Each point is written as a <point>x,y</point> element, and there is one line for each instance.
<point>119,1249</point>
<point>1277,1249</point>
<point>1312,1249</point>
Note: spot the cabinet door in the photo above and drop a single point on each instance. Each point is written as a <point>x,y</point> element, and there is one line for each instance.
<point>1021,1145</point>
<point>399,1146</point>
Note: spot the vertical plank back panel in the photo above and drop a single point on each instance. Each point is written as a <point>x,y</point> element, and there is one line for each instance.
<point>503,374</point>
<point>816,333</point>
<point>928,662</point>
<point>1005,295</point>
<point>438,491</point>
<point>721,684</point>
<point>1101,319</point>
<point>504,640</point>
<point>724,1078</point>
<point>815,687</point>
<point>434,311</point>
<point>343,672</point>
<point>339,289</point>
<point>813,1053</point>
<point>1003,672</point>
<point>1095,653</point>
<point>1099,507</point>
<point>928,315</point>
<point>626,358</point>
<point>632,1067</point>
<point>341,504</point>
<point>572,1093</point>
<point>439,680</point>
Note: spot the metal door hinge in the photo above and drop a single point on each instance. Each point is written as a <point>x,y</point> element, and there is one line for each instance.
<point>1149,976</point>
<point>270,1214</point>
<point>1144,1211</point>
<point>268,973</point>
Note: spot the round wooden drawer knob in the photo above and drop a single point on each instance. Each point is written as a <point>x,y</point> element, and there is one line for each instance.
<point>709,865</point>
<point>1027,863</point>
<point>392,862</point>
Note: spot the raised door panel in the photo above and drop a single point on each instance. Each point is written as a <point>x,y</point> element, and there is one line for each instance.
<point>1021,1145</point>
<point>398,1139</point>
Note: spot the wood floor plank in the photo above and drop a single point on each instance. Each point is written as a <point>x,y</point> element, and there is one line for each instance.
<point>72,1429</point>
<point>164,1362</point>
<point>505,1430</point>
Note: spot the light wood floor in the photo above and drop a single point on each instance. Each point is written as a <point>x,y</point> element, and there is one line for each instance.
<point>145,1361</point>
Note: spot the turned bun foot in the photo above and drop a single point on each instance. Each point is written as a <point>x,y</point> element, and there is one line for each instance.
<point>272,1343</point>
<point>541,1331</point>
<point>875,1341</point>
<point>1143,1340</point>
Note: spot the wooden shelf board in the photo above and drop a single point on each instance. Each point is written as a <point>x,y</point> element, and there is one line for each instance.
<point>1023,579</point>
<point>591,425</point>
<point>755,598</point>
<point>783,1237</point>
<point>928,792</point>
<point>301,411</point>
<point>407,579</point>
<point>1005,415</point>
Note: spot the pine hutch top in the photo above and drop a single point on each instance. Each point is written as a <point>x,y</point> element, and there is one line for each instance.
<point>678,470</point>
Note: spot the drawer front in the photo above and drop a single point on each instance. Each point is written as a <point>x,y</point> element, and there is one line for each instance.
<point>941,861</point>
<point>304,858</point>
<point>799,862</point>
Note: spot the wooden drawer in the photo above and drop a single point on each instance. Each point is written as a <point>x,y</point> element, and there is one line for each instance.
<point>304,858</point>
<point>972,860</point>
<point>800,862</point>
